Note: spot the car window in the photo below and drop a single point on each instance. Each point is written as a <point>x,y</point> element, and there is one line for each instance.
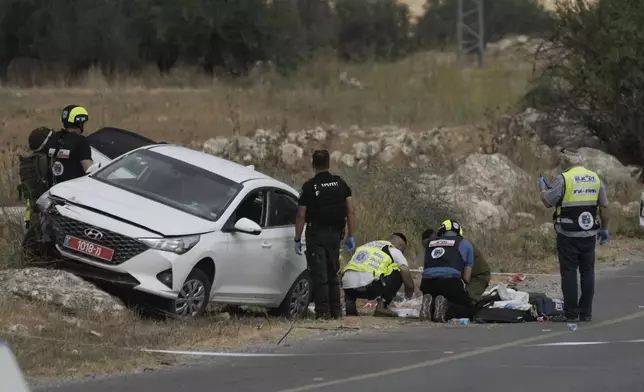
<point>171,182</point>
<point>282,209</point>
<point>252,208</point>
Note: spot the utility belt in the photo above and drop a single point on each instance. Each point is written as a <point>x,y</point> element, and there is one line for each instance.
<point>317,227</point>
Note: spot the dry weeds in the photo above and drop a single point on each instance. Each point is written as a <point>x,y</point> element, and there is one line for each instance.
<point>421,92</point>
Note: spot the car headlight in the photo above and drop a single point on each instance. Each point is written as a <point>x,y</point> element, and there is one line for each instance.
<point>178,245</point>
<point>44,201</point>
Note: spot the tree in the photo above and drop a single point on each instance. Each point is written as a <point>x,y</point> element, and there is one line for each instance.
<point>437,26</point>
<point>593,72</point>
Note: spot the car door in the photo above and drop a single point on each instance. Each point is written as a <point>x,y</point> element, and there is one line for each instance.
<point>280,231</point>
<point>251,259</point>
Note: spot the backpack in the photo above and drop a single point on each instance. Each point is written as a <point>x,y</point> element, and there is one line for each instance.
<point>34,173</point>
<point>546,307</point>
<point>503,315</point>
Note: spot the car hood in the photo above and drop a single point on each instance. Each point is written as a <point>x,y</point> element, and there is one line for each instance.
<point>130,207</point>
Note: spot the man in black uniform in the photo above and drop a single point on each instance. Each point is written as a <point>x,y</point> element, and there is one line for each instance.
<point>325,205</point>
<point>68,149</point>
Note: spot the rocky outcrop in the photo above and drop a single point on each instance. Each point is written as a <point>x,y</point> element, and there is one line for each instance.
<point>481,190</point>
<point>558,133</point>
<point>57,288</point>
<point>609,168</point>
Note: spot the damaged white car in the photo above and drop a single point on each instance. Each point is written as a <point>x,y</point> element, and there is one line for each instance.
<point>185,227</point>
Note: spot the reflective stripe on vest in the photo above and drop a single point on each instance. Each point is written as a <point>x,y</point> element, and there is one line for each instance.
<point>577,210</point>
<point>371,258</point>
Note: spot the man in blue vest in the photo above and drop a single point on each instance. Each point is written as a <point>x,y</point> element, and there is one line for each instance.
<point>580,201</point>
<point>449,259</point>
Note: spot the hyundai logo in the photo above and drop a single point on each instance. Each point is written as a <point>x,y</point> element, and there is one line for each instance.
<point>93,234</point>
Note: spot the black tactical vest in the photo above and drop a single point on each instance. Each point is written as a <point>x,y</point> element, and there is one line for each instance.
<point>443,252</point>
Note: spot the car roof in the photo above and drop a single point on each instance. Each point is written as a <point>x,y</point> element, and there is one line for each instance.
<point>223,167</point>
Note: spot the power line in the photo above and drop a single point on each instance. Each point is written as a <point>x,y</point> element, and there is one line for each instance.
<point>470,28</point>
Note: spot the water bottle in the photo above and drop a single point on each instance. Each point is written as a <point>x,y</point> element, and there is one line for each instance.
<point>461,321</point>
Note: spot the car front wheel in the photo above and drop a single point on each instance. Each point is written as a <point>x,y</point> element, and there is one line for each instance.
<point>193,296</point>
<point>296,301</point>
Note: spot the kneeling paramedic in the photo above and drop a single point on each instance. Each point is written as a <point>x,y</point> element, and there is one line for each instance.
<point>376,271</point>
<point>580,217</point>
<point>449,259</point>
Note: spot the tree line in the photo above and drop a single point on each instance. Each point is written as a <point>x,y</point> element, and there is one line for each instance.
<point>593,73</point>
<point>230,36</point>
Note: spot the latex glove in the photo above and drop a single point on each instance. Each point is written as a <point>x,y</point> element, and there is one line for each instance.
<point>542,183</point>
<point>350,244</point>
<point>603,236</point>
<point>297,245</point>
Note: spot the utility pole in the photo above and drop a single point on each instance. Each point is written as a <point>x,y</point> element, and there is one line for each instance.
<point>470,28</point>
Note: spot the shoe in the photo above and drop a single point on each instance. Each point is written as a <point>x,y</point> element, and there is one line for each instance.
<point>564,319</point>
<point>585,318</point>
<point>440,309</point>
<point>425,308</point>
<point>381,311</point>
<point>352,309</point>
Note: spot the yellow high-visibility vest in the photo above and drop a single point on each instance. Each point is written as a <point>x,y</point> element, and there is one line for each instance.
<point>577,210</point>
<point>372,258</point>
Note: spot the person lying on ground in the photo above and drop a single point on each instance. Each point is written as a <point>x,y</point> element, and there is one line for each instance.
<point>377,270</point>
<point>449,259</point>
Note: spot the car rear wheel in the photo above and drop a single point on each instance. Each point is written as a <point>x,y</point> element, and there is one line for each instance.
<point>193,296</point>
<point>296,301</point>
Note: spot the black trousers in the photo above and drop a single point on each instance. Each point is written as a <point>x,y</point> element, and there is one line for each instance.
<point>577,254</point>
<point>454,290</point>
<point>323,260</point>
<point>386,287</point>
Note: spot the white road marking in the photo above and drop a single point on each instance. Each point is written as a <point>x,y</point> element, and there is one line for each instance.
<point>555,344</point>
<point>568,344</point>
<point>257,355</point>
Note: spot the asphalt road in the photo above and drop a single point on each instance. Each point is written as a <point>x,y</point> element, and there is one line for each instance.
<point>604,354</point>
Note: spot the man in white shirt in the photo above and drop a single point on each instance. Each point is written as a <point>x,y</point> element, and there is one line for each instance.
<point>376,271</point>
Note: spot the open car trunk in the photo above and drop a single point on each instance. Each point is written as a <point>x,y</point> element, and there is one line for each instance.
<point>114,142</point>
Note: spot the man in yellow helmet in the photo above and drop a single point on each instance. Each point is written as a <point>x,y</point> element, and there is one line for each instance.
<point>377,270</point>
<point>580,201</point>
<point>68,149</point>
<point>449,259</point>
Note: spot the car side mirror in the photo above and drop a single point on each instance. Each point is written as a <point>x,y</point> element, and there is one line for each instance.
<point>93,168</point>
<point>247,226</point>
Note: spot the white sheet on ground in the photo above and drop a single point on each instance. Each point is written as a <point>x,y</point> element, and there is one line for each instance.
<point>510,298</point>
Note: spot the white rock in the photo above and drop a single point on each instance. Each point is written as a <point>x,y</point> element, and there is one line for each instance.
<point>389,153</point>
<point>360,150</point>
<point>348,160</point>
<point>336,156</point>
<point>373,148</point>
<point>631,209</point>
<point>291,154</point>
<point>319,134</point>
<point>58,288</point>
<point>18,329</point>
<point>609,168</point>
<point>216,146</point>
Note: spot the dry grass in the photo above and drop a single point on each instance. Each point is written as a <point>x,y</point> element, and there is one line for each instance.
<point>422,92</point>
<point>49,344</point>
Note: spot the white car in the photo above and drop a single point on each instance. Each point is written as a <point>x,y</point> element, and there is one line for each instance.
<point>10,373</point>
<point>183,226</point>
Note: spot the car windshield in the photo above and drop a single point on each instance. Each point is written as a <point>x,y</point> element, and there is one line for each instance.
<point>169,181</point>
